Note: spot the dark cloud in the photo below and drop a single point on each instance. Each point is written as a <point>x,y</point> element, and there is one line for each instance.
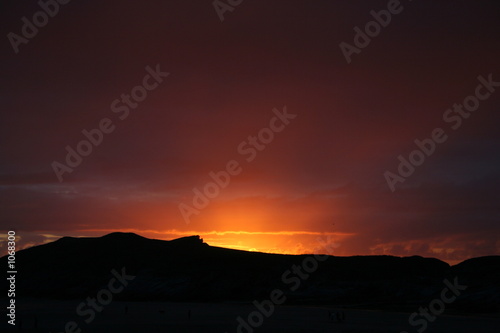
<point>225,78</point>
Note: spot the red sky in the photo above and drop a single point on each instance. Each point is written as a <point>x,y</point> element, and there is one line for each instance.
<point>321,179</point>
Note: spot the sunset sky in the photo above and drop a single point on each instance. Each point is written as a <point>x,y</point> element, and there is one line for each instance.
<point>319,180</point>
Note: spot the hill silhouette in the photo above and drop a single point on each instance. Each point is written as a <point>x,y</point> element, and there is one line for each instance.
<point>187,269</point>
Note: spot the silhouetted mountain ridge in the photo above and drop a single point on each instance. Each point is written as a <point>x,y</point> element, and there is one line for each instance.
<point>189,269</point>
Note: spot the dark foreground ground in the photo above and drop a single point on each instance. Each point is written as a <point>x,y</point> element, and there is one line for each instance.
<point>146,317</point>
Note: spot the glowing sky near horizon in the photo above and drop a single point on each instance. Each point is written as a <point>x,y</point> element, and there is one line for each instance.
<point>319,180</point>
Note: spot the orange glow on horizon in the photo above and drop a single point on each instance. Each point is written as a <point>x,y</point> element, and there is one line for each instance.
<point>282,242</point>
